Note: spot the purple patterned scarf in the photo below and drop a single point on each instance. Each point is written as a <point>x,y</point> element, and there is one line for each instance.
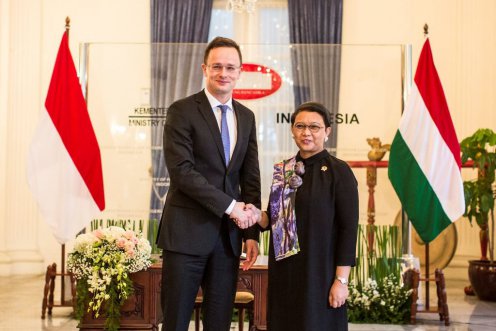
<point>285,182</point>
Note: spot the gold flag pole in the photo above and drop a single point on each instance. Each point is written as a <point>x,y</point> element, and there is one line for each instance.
<point>62,271</point>
<point>67,25</point>
<point>427,259</point>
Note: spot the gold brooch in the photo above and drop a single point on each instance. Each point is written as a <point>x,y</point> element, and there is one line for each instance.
<point>324,168</point>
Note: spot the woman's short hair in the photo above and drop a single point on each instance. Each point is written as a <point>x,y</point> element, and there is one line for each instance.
<point>314,107</point>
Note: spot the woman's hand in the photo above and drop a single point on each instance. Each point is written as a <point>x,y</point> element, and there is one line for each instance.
<point>260,216</point>
<point>338,294</point>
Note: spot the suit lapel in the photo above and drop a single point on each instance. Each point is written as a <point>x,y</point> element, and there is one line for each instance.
<point>208,115</point>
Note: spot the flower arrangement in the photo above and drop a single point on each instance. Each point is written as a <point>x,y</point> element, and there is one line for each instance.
<point>101,262</point>
<point>376,292</point>
<point>151,225</point>
<point>383,301</point>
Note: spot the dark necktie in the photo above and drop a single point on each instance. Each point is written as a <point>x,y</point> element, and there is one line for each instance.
<point>224,132</point>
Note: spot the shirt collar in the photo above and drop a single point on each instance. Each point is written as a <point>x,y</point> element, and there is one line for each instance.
<point>214,102</point>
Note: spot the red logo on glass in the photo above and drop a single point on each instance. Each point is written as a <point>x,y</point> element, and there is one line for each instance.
<point>257,81</point>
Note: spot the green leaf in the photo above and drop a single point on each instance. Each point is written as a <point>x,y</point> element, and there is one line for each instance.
<point>485,204</point>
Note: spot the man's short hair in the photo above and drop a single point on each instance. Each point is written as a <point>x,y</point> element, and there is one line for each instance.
<point>222,42</point>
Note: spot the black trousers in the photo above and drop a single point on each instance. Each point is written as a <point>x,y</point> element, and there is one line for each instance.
<point>182,275</point>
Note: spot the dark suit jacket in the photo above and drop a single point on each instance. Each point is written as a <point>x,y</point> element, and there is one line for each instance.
<point>201,187</point>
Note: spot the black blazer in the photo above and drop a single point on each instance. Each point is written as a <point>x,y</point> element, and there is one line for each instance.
<point>201,187</point>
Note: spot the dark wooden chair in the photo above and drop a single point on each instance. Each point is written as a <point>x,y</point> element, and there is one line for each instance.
<point>242,302</point>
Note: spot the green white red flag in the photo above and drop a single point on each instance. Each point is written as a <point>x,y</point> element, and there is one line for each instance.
<point>64,163</point>
<point>424,164</point>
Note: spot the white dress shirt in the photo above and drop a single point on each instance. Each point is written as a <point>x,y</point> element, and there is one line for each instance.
<point>231,124</point>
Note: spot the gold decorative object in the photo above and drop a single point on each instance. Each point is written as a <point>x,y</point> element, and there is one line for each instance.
<point>378,149</point>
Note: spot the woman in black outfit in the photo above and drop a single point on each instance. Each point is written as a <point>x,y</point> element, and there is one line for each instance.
<point>313,219</point>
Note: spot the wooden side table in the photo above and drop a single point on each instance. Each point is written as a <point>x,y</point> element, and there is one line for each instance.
<point>48,290</point>
<point>142,310</point>
<point>412,280</point>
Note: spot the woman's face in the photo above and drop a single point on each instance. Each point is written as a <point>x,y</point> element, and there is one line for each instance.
<point>309,133</point>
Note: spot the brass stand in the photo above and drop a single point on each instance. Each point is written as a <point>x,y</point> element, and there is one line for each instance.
<point>50,275</point>
<point>412,279</point>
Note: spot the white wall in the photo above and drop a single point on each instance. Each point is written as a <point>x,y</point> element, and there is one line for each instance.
<point>463,40</point>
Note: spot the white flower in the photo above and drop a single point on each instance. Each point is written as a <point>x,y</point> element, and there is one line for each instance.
<point>83,241</point>
<point>113,233</point>
<point>378,301</point>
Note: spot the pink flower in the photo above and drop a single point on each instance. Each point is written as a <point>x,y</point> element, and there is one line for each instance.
<point>129,246</point>
<point>129,234</point>
<point>121,242</point>
<point>99,234</point>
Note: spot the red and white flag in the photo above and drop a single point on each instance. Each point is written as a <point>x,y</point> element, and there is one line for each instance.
<point>64,163</point>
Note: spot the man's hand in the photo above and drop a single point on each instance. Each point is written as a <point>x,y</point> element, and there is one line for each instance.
<point>251,253</point>
<point>243,217</point>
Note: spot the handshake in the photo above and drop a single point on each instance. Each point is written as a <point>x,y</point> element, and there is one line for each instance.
<point>245,215</point>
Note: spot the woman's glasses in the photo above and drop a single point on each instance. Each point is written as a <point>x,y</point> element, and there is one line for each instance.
<point>314,128</point>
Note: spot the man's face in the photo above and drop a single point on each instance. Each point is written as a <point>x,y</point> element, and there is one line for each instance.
<point>221,72</point>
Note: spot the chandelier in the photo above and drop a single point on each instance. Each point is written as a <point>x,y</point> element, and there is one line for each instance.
<point>241,5</point>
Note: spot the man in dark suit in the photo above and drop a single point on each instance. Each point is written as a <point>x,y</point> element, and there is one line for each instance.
<point>211,154</point>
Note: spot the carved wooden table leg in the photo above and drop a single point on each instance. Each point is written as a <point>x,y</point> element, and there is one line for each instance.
<point>411,278</point>
<point>48,290</point>
<point>45,293</point>
<point>442,300</point>
<point>52,288</point>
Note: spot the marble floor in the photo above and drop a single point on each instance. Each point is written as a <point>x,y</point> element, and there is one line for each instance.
<point>20,309</point>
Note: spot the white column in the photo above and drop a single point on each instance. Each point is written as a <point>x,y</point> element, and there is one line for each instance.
<point>4,65</point>
<point>22,56</point>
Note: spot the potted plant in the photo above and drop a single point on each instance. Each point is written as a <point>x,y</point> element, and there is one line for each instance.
<point>479,205</point>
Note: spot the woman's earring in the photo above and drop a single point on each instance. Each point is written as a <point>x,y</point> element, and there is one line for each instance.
<point>326,139</point>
